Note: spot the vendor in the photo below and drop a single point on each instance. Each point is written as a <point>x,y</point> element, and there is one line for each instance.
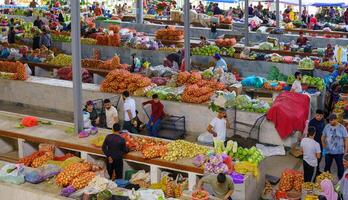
<point>329,53</point>
<point>218,125</point>
<point>111,114</point>
<point>157,114</point>
<point>98,11</point>
<point>93,114</point>
<point>38,22</point>
<point>136,63</point>
<point>343,183</point>
<point>114,147</point>
<point>220,63</point>
<point>296,86</point>
<point>33,4</point>
<point>11,36</point>
<point>203,41</point>
<point>301,40</point>
<point>221,186</point>
<point>172,61</point>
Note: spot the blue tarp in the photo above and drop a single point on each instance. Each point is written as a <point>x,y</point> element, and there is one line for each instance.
<point>328,4</point>
<point>223,1</point>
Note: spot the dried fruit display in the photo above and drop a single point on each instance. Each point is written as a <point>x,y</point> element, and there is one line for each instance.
<point>144,142</point>
<point>114,28</point>
<point>170,33</point>
<point>286,180</point>
<point>196,94</point>
<point>118,81</point>
<point>27,160</point>
<point>39,161</point>
<point>130,142</point>
<point>226,42</point>
<point>17,68</point>
<point>324,175</point>
<point>298,181</point>
<point>65,177</point>
<point>156,151</point>
<point>83,180</point>
<point>180,149</point>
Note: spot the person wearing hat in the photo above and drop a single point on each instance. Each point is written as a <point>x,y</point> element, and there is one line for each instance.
<point>301,40</point>
<point>335,141</point>
<point>220,63</point>
<point>343,183</point>
<point>93,114</point>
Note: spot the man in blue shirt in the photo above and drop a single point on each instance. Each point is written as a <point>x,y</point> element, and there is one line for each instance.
<point>335,141</point>
<point>219,62</point>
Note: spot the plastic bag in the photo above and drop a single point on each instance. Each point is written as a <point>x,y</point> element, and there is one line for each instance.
<point>205,138</point>
<point>98,141</point>
<point>254,81</point>
<point>199,160</point>
<point>29,121</point>
<point>38,175</point>
<point>11,173</point>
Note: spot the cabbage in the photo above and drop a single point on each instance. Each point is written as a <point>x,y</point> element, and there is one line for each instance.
<point>266,46</point>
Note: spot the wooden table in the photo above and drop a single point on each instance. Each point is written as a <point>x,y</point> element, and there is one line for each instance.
<point>50,67</point>
<point>259,92</point>
<point>28,140</point>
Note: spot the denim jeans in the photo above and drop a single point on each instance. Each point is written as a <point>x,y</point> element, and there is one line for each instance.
<point>153,130</point>
<point>339,162</point>
<point>213,35</point>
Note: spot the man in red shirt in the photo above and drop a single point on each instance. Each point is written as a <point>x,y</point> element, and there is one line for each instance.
<point>345,16</point>
<point>157,113</point>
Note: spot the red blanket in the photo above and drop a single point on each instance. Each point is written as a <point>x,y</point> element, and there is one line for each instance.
<point>289,113</point>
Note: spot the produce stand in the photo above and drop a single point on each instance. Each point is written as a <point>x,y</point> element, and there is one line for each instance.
<point>318,32</point>
<point>28,139</point>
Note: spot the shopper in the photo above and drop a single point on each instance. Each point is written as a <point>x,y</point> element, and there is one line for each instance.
<point>220,63</point>
<point>345,16</point>
<point>46,39</point>
<point>296,86</point>
<point>335,141</point>
<point>111,115</point>
<point>218,125</point>
<point>173,61</point>
<point>129,108</point>
<point>11,36</point>
<point>213,30</point>
<point>36,37</point>
<point>216,9</point>
<point>221,186</point>
<point>311,154</point>
<point>157,114</point>
<point>93,114</point>
<point>318,123</point>
<point>114,147</point>
<point>61,18</point>
<point>328,190</point>
<point>38,22</point>
<point>301,40</point>
<point>11,23</point>
<point>250,10</point>
<point>343,183</point>
<point>33,4</point>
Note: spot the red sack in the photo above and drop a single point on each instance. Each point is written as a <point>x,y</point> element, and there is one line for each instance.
<point>29,121</point>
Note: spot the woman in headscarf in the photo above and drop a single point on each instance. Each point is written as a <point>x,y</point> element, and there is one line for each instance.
<point>328,190</point>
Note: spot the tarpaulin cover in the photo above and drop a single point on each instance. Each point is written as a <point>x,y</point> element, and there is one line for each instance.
<point>289,113</point>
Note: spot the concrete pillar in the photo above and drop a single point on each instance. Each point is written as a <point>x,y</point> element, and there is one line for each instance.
<point>299,9</point>
<point>246,22</point>
<point>139,11</point>
<point>187,35</point>
<point>76,64</point>
<point>277,14</point>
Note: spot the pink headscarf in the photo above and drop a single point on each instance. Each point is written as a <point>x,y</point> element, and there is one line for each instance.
<point>328,190</point>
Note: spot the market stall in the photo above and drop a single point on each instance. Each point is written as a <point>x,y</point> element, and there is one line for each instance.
<point>55,133</point>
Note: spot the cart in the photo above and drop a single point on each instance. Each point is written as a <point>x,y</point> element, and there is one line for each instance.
<point>172,127</point>
<point>251,129</point>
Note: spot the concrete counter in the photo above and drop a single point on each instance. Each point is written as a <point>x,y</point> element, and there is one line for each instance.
<point>245,67</point>
<point>237,29</point>
<point>47,93</point>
